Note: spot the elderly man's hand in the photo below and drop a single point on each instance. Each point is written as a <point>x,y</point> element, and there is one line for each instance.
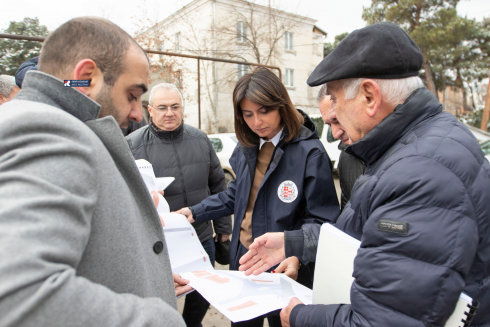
<point>180,285</point>
<point>290,267</point>
<point>186,212</point>
<point>286,312</point>
<point>265,252</point>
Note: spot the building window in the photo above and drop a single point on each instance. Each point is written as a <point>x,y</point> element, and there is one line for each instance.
<point>242,70</point>
<point>289,40</point>
<point>241,32</point>
<point>289,77</point>
<point>177,41</point>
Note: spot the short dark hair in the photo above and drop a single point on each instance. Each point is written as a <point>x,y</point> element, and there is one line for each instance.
<point>264,88</point>
<point>86,38</point>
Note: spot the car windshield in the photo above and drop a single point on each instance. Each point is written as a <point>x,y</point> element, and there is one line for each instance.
<point>233,137</point>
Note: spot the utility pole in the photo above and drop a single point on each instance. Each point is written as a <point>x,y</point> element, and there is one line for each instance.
<point>444,84</point>
<point>486,110</point>
<point>270,32</point>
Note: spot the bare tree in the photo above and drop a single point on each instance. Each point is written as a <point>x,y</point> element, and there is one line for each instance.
<point>260,39</point>
<point>163,68</point>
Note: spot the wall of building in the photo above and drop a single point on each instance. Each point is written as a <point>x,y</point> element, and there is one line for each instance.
<point>195,23</point>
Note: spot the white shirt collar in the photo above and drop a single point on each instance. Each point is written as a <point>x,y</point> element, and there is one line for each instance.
<point>274,140</point>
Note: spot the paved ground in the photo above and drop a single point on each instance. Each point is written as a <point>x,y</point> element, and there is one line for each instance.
<point>214,318</point>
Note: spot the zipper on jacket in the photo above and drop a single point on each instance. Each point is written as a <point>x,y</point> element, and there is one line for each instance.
<point>251,182</point>
<point>180,169</point>
<point>248,165</point>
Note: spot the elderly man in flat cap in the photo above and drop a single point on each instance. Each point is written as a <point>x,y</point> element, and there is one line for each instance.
<point>425,174</point>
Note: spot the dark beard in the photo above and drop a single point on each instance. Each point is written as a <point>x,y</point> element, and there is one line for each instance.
<point>107,107</point>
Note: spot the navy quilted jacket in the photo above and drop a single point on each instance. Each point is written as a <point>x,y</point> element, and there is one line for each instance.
<point>425,169</point>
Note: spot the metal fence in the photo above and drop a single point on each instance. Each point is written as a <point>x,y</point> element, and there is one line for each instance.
<point>173,54</point>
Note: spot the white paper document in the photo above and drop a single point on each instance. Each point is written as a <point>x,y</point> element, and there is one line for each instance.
<point>235,295</point>
<point>241,297</point>
<point>335,266</point>
<point>154,184</point>
<point>184,248</point>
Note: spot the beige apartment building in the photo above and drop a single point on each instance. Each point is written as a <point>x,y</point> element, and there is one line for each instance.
<point>236,30</point>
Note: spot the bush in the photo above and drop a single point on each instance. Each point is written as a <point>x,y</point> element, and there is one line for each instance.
<point>319,125</point>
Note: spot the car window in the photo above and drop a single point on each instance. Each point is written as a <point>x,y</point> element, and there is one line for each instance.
<point>233,137</point>
<point>217,145</point>
<point>330,137</point>
<point>485,147</point>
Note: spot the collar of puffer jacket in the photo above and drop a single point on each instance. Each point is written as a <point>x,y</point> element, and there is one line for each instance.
<point>175,134</point>
<point>418,107</point>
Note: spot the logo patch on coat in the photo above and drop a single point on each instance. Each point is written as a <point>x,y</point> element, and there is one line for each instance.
<point>393,226</point>
<point>287,191</point>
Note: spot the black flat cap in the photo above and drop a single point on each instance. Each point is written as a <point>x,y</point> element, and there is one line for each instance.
<point>381,51</point>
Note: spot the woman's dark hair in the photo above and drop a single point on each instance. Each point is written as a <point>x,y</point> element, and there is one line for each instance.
<point>264,88</point>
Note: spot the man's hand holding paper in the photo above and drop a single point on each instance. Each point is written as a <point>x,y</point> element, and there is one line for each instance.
<point>180,285</point>
<point>286,312</point>
<point>224,237</point>
<point>265,252</point>
<point>187,213</point>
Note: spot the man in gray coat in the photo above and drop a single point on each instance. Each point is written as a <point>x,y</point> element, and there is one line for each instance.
<point>80,239</point>
<point>178,150</point>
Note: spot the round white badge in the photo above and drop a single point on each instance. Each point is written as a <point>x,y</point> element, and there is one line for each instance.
<point>287,191</point>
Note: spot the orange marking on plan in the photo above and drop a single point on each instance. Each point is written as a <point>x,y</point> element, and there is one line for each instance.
<point>201,273</point>
<point>262,281</point>
<point>243,306</point>
<point>218,279</point>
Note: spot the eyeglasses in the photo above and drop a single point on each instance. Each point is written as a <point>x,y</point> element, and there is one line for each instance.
<point>165,108</point>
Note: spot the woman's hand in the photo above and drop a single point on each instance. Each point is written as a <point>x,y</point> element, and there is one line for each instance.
<point>290,267</point>
<point>186,212</point>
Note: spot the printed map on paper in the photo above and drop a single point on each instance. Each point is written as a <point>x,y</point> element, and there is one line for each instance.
<point>235,295</point>
<point>241,297</point>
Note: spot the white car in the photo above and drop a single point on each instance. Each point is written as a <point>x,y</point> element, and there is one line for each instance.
<point>331,145</point>
<point>485,147</point>
<point>224,144</point>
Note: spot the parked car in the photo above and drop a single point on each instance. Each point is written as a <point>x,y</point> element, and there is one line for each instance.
<point>331,145</point>
<point>485,147</point>
<point>224,144</point>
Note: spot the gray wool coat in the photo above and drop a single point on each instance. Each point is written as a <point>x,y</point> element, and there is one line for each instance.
<point>79,234</point>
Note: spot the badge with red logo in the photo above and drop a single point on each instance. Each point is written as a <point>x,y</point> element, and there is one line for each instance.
<point>287,191</point>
